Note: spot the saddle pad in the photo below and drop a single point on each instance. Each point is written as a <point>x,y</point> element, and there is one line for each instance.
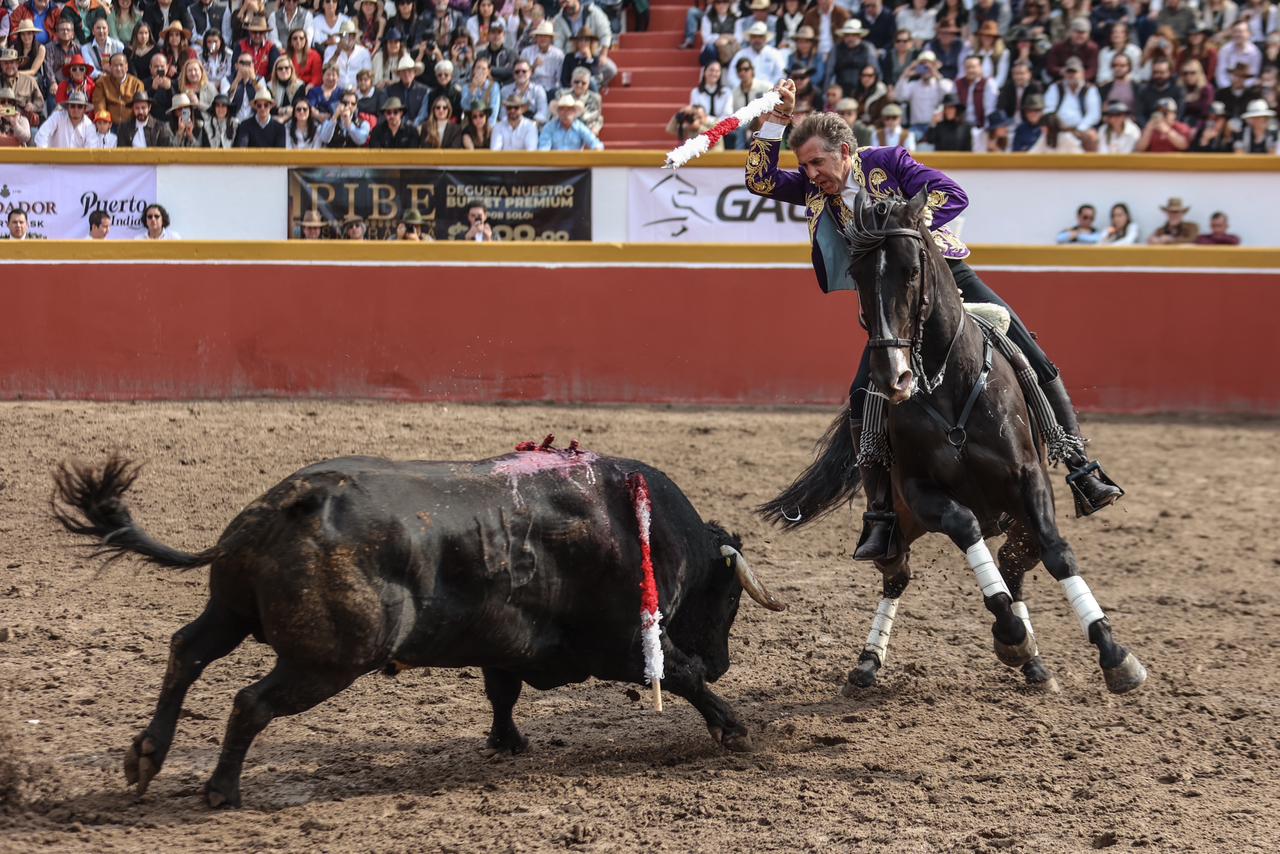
<point>994,315</point>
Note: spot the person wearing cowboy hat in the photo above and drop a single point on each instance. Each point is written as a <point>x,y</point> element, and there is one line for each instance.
<point>1214,136</point>
<point>220,125</point>
<point>769,63</point>
<point>1176,229</point>
<point>262,129</point>
<point>566,132</point>
<point>348,54</point>
<point>1239,94</point>
<point>1164,133</point>
<point>25,88</point>
<point>185,122</point>
<point>75,78</point>
<point>159,14</point>
<point>835,175</point>
<point>258,47</point>
<point>15,129</point>
<point>353,227</point>
<point>574,18</point>
<point>395,130</point>
<point>851,55</point>
<point>950,131</point>
<point>142,129</point>
<point>102,124</point>
<point>411,91</point>
<point>1239,50</point>
<point>311,225</point>
<point>1119,133</point>
<point>544,58</point>
<point>412,227</point>
<point>69,127</point>
<point>757,11</point>
<point>1259,134</point>
<point>515,132</point>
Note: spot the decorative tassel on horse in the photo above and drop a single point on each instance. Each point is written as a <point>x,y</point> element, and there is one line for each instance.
<point>874,448</point>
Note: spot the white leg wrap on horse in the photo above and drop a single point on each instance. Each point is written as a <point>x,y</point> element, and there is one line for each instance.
<point>1020,611</point>
<point>984,568</point>
<point>1082,602</point>
<point>881,628</point>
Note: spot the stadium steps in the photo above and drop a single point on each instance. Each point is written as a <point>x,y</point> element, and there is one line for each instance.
<point>661,76</point>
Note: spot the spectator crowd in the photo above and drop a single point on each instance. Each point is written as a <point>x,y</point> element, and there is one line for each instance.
<point>298,74</point>
<point>1069,76</point>
<point>1121,229</point>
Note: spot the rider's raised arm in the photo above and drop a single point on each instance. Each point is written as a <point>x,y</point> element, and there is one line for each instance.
<point>946,198</point>
<point>764,178</point>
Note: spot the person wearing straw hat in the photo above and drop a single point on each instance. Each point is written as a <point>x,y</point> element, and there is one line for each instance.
<point>262,129</point>
<point>220,125</point>
<point>769,62</point>
<point>25,88</point>
<point>69,127</point>
<point>15,130</point>
<point>544,58</point>
<point>1238,51</point>
<point>1259,134</point>
<point>159,14</point>
<point>566,132</point>
<point>758,11</point>
<point>311,226</point>
<point>412,228</point>
<point>75,78</point>
<point>349,55</point>
<point>260,49</point>
<point>353,227</point>
<point>515,132</point>
<point>102,124</point>
<point>1176,229</point>
<point>184,122</point>
<point>143,130</point>
<point>411,91</point>
<point>851,55</point>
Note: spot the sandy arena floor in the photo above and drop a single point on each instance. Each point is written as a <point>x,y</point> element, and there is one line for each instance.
<point>948,752</point>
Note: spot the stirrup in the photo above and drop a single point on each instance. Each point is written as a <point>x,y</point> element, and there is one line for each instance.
<point>887,520</point>
<point>1085,504</point>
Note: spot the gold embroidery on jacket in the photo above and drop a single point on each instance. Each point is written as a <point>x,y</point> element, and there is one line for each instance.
<point>875,184</point>
<point>815,202</point>
<point>937,199</point>
<point>946,241</point>
<point>757,165</point>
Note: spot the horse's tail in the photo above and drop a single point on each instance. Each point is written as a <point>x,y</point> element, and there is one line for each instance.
<point>90,501</point>
<point>830,480</point>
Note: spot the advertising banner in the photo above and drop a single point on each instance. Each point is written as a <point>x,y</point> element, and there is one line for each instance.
<point>523,204</point>
<point>59,199</point>
<point>707,206</point>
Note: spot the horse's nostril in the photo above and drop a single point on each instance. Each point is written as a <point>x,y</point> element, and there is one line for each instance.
<point>903,382</point>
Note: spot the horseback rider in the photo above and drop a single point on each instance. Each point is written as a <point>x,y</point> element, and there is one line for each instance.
<point>833,170</point>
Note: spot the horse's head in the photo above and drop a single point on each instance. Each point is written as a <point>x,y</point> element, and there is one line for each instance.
<point>889,253</point>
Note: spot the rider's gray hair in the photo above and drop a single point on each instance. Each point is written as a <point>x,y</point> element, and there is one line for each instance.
<point>829,127</point>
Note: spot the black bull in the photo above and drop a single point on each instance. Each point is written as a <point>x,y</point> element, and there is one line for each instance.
<point>527,566</point>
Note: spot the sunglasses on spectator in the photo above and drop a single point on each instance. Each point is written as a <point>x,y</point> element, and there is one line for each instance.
<point>522,71</point>
<point>903,41</point>
<point>154,216</point>
<point>441,107</point>
<point>867,74</point>
<point>394,112</point>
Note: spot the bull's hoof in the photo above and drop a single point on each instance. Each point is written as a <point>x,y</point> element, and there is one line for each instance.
<point>861,677</point>
<point>141,763</point>
<point>735,741</point>
<point>1040,678</point>
<point>1015,655</point>
<point>509,743</point>
<point>1125,677</point>
<point>219,798</point>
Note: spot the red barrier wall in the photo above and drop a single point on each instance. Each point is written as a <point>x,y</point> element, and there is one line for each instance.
<point>1126,341</point>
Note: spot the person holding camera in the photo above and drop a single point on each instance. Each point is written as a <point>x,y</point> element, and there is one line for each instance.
<point>924,90</point>
<point>15,130</point>
<point>690,121</point>
<point>350,129</point>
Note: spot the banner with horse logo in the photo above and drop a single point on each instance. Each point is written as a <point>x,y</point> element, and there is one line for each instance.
<point>707,206</point>
<point>523,204</point>
<point>59,199</point>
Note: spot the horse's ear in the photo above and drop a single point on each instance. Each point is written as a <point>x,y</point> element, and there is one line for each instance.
<point>916,206</point>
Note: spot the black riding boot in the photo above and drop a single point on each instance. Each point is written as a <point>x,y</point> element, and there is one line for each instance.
<point>1090,486</point>
<point>879,539</point>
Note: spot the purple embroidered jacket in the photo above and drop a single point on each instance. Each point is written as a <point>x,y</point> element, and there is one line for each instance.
<point>881,171</point>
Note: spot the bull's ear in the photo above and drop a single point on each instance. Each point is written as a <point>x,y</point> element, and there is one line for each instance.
<point>916,206</point>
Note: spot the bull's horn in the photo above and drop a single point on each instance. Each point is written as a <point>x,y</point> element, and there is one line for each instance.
<point>749,582</point>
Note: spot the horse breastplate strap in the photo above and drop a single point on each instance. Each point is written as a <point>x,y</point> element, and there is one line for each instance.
<point>956,434</point>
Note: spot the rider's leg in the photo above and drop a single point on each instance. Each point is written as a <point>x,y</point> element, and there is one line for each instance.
<point>879,521</point>
<point>1091,487</point>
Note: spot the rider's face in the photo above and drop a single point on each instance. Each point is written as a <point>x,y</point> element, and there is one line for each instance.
<point>827,169</point>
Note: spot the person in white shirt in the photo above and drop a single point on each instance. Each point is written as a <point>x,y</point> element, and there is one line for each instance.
<point>769,62</point>
<point>759,13</point>
<point>106,138</point>
<point>350,57</point>
<point>516,133</point>
<point>544,58</point>
<point>1076,103</point>
<point>1240,49</point>
<point>1119,134</point>
<point>100,48</point>
<point>892,132</point>
<point>69,127</point>
<point>924,90</point>
<point>156,220</point>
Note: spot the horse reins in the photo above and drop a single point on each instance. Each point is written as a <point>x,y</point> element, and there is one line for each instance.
<point>863,239</point>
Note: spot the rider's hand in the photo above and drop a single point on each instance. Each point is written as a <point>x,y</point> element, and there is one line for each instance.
<point>787,89</point>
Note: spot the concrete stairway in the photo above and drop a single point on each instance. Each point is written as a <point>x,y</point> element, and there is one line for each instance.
<point>660,75</point>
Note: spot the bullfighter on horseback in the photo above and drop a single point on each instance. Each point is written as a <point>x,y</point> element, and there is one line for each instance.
<point>833,170</point>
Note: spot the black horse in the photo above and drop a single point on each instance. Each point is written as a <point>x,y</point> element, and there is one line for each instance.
<point>965,461</point>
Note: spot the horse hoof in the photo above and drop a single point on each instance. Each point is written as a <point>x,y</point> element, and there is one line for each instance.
<point>861,677</point>
<point>737,742</point>
<point>1126,677</point>
<point>1045,686</point>
<point>1015,655</point>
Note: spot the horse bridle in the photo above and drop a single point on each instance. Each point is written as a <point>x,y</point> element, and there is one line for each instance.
<point>864,237</point>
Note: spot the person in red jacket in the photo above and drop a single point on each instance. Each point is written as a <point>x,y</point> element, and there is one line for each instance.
<point>75,78</point>
<point>1077,44</point>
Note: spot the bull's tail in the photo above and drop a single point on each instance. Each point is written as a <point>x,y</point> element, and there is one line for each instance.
<point>830,480</point>
<point>90,501</point>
